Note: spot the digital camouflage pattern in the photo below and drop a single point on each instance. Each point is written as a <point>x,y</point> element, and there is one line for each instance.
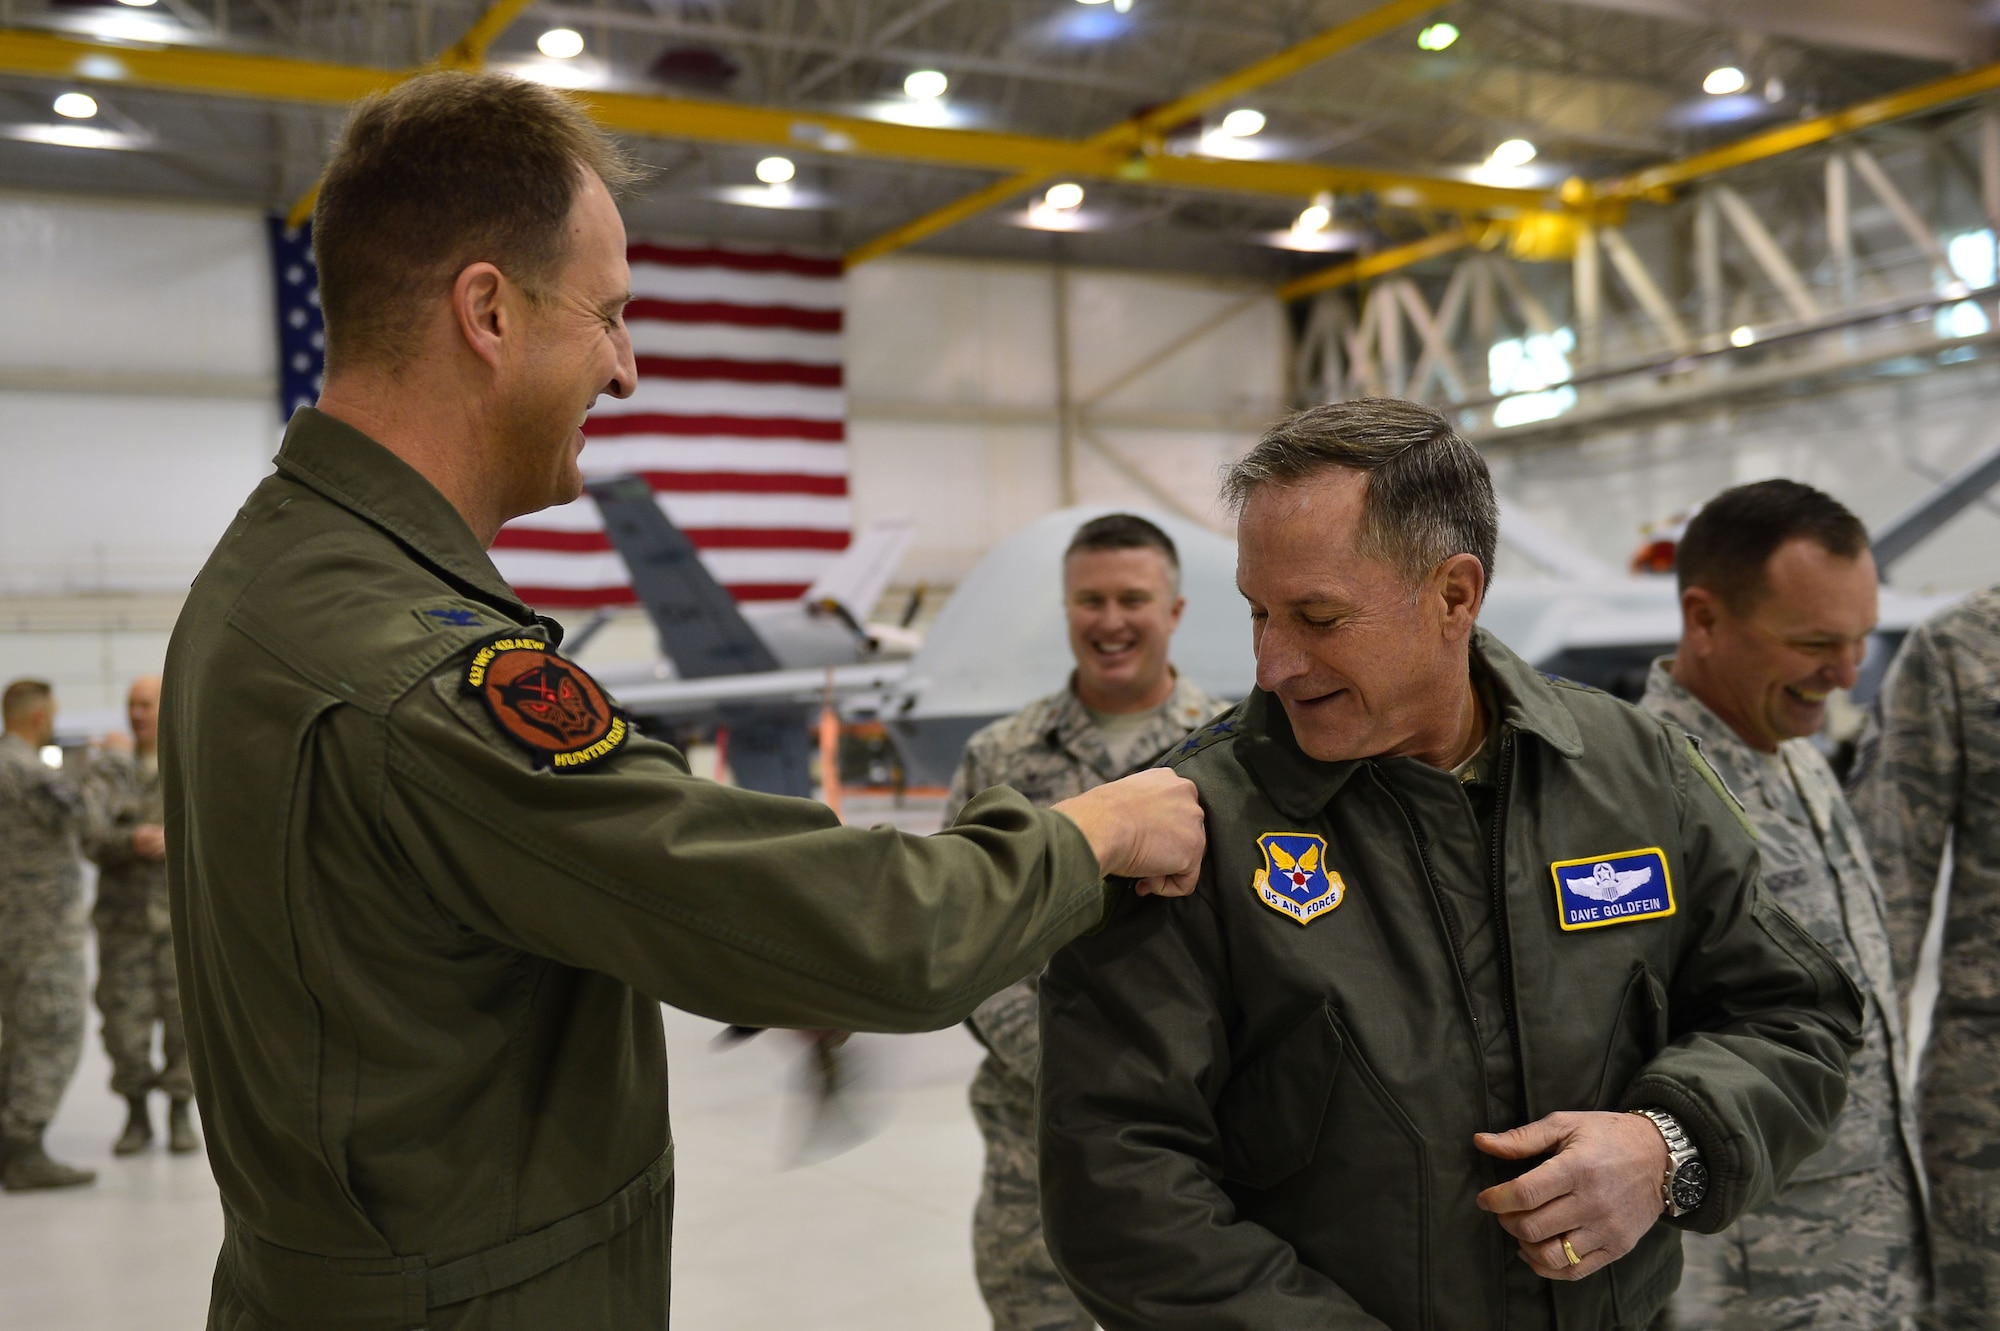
<point>1928,770</point>
<point>1844,1244</point>
<point>1050,750</point>
<point>135,941</point>
<point>44,815</point>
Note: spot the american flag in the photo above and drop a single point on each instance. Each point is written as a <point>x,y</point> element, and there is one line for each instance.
<point>739,423</point>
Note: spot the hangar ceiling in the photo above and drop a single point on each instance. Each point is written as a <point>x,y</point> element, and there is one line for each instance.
<point>1599,87</point>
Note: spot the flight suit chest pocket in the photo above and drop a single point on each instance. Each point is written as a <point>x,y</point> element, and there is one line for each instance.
<point>1270,1111</point>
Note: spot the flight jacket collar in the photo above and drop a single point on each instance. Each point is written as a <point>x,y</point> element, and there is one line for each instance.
<point>1300,786</point>
<point>341,463</point>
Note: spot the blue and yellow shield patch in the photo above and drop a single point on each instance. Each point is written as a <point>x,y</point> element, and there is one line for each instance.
<point>1295,881</point>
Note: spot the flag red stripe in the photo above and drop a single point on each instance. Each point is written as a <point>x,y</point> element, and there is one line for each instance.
<point>558,598</point>
<point>728,312</point>
<point>740,371</point>
<point>742,427</point>
<point>704,538</point>
<point>744,482</point>
<point>804,265</point>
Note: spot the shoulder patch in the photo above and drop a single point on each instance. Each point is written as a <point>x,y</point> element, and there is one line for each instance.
<point>1295,880</point>
<point>549,706</point>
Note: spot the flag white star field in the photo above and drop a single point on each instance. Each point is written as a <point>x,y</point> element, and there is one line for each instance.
<point>739,424</point>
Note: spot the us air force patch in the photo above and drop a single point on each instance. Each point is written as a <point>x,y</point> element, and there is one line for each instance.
<point>1613,889</point>
<point>547,705</point>
<point>1295,881</point>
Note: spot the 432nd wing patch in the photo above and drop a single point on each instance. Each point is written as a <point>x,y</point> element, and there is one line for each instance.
<point>1295,881</point>
<point>547,705</point>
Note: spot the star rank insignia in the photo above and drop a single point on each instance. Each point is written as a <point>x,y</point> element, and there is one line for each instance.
<point>1295,881</point>
<point>547,705</point>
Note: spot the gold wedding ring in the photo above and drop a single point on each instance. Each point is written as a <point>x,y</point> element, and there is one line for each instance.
<point>1570,1253</point>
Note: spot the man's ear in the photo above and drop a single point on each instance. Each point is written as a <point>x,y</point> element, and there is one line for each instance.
<point>1701,609</point>
<point>480,306</point>
<point>1461,587</point>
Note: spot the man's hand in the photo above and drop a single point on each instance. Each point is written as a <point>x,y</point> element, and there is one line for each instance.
<point>113,741</point>
<point>1147,827</point>
<point>1601,1190</point>
<point>149,841</point>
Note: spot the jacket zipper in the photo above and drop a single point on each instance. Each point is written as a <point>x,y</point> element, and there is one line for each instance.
<point>1503,936</point>
<point>1444,912</point>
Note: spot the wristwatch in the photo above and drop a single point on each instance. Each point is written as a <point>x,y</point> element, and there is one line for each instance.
<point>1685,1185</point>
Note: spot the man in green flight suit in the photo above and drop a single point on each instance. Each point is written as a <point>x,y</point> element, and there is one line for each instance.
<point>428,886</point>
<point>1456,920</point>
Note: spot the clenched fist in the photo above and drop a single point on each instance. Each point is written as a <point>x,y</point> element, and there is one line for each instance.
<point>1148,827</point>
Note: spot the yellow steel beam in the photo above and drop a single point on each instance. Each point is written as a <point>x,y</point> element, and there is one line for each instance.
<point>1382,262</point>
<point>1141,132</point>
<point>469,51</point>
<point>1657,181</point>
<point>282,79</point>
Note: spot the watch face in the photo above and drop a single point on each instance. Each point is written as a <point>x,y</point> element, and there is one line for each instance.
<point>1690,1185</point>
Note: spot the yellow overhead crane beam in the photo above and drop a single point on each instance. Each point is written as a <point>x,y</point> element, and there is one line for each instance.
<point>1583,199</point>
<point>287,80</point>
<point>1133,145</point>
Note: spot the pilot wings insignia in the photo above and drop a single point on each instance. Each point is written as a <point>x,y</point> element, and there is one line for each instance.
<point>1295,881</point>
<point>1613,889</point>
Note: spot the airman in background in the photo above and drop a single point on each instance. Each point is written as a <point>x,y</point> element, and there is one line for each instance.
<point>1124,706</point>
<point>1928,772</point>
<point>135,942</point>
<point>45,813</point>
<point>1778,599</point>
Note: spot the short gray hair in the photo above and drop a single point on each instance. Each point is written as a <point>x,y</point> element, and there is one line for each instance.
<point>1429,493</point>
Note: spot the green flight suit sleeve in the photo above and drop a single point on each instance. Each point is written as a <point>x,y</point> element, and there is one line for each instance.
<point>1135,1052</point>
<point>1762,1019</point>
<point>747,908</point>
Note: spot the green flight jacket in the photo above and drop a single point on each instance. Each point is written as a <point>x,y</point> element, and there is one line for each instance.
<point>422,976</point>
<point>1252,1123</point>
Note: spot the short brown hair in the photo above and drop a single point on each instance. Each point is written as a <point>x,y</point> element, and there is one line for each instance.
<point>1429,493</point>
<point>444,171</point>
<point>23,696</point>
<point>1729,544</point>
<point>1126,531</point>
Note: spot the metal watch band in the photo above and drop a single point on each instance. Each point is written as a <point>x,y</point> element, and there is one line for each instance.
<point>1681,1153</point>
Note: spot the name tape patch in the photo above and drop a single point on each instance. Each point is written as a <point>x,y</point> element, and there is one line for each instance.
<point>547,705</point>
<point>1295,881</point>
<point>1613,889</point>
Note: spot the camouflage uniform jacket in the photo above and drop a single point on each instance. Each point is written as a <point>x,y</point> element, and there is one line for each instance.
<point>1051,750</point>
<point>131,891</point>
<point>1929,765</point>
<point>1816,865</point>
<point>45,815</point>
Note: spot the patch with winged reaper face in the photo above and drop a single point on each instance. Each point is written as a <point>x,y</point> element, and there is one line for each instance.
<point>547,705</point>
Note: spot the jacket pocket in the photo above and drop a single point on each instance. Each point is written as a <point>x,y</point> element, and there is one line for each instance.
<point>1270,1111</point>
<point>1637,1037</point>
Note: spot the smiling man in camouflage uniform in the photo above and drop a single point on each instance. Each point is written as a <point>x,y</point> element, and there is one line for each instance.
<point>1121,709</point>
<point>1778,599</point>
<point>1929,768</point>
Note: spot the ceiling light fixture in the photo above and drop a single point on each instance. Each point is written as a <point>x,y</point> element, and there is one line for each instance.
<point>1724,80</point>
<point>76,105</point>
<point>1742,335</point>
<point>1064,197</point>
<point>1315,217</point>
<point>1122,6</point>
<point>776,170</point>
<point>560,43</point>
<point>925,85</point>
<point>1242,123</point>
<point>1511,154</point>
<point>1437,36</point>
<point>139,4</point>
